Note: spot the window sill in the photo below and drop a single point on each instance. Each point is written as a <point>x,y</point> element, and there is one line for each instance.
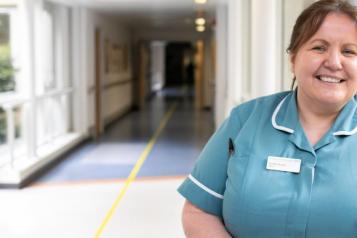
<point>24,167</point>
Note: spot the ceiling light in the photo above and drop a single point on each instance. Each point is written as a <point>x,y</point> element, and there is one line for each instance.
<point>200,28</point>
<point>200,21</point>
<point>200,1</point>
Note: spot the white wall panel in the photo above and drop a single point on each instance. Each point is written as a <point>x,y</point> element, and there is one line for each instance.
<point>221,35</point>
<point>118,98</point>
<point>266,31</point>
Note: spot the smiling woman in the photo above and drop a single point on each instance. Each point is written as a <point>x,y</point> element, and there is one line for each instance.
<point>325,67</point>
<point>284,165</point>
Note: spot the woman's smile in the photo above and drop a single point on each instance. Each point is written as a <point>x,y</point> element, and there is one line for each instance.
<point>330,79</point>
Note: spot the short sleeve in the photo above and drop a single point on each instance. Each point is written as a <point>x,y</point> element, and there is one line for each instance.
<point>206,184</point>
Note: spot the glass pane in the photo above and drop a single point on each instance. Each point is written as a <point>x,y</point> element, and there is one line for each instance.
<point>66,115</point>
<point>20,147</point>
<point>18,122</point>
<point>45,124</point>
<point>49,45</point>
<point>53,118</point>
<point>2,127</point>
<point>4,28</point>
<point>7,82</point>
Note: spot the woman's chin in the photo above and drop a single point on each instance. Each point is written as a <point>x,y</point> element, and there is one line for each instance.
<point>334,99</point>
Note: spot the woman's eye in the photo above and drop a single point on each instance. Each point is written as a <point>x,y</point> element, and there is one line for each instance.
<point>319,48</point>
<point>348,52</point>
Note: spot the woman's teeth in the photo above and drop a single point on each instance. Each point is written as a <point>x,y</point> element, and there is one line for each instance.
<point>329,79</point>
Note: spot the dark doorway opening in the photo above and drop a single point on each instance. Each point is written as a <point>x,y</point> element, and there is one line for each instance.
<point>179,64</point>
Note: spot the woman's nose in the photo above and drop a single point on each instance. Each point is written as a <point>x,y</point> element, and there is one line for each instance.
<point>333,60</point>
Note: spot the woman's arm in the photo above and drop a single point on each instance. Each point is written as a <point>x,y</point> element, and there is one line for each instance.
<point>197,223</point>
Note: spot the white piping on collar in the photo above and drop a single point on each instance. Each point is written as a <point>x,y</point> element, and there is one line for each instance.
<point>208,190</point>
<point>273,118</point>
<point>345,133</point>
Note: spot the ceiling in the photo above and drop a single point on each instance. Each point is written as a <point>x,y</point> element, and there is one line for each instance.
<point>152,13</point>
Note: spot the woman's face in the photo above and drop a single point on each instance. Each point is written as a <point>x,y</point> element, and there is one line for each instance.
<point>326,65</point>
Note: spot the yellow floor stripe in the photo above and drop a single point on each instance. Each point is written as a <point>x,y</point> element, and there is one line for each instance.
<point>136,169</point>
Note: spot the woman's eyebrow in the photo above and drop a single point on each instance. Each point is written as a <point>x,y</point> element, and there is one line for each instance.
<point>351,44</point>
<point>319,41</point>
<point>327,43</point>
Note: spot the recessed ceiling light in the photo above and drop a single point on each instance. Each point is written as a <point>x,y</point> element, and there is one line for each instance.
<point>200,28</point>
<point>200,21</point>
<point>200,1</point>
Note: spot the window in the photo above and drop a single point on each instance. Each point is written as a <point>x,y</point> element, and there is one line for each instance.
<point>3,123</point>
<point>11,123</point>
<point>53,90</point>
<point>7,80</point>
<point>36,107</point>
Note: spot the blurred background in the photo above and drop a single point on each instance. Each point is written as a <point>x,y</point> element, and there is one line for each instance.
<point>106,104</point>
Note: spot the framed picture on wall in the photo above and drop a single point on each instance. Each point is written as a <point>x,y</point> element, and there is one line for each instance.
<point>116,57</point>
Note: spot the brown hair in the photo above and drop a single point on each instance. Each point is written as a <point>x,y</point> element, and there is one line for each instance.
<point>310,20</point>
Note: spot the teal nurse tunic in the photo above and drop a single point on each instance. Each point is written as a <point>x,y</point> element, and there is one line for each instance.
<point>318,201</point>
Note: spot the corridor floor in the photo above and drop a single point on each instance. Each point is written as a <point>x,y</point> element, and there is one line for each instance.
<point>123,185</point>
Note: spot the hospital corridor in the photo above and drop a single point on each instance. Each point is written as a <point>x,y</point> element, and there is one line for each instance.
<point>105,105</point>
<point>73,197</point>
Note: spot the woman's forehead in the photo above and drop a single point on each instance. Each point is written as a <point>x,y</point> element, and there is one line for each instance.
<point>336,26</point>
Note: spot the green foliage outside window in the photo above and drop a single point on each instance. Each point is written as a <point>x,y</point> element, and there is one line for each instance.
<point>7,72</point>
<point>7,82</point>
<point>2,126</point>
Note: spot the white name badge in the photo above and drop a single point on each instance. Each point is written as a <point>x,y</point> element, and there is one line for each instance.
<point>284,164</point>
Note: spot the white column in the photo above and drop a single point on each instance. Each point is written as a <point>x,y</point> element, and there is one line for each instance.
<point>80,67</point>
<point>28,73</point>
<point>246,51</point>
<point>235,52</point>
<point>158,65</point>
<point>221,63</point>
<point>292,10</point>
<point>265,52</point>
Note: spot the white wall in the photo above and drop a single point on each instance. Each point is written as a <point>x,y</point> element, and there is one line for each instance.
<point>116,88</point>
<point>292,9</point>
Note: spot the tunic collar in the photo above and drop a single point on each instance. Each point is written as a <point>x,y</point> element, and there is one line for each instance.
<point>346,122</point>
<point>285,117</point>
